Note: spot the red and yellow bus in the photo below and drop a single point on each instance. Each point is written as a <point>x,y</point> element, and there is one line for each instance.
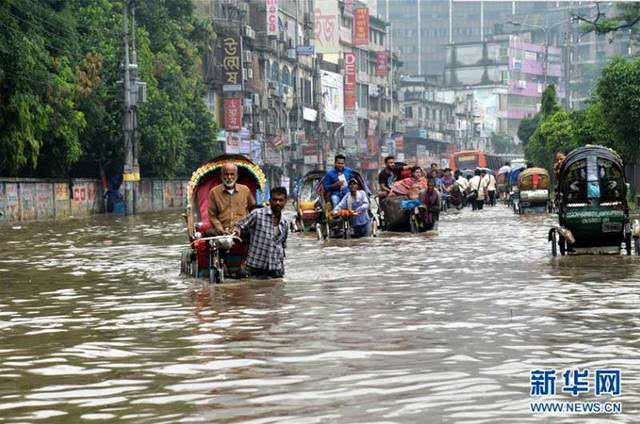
<point>472,159</point>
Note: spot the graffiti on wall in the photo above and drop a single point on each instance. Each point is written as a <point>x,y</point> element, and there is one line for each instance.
<point>44,201</point>
<point>27,201</point>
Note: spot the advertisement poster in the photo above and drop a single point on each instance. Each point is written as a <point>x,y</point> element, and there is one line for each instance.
<point>349,82</point>
<point>332,91</point>
<point>361,27</point>
<point>233,143</point>
<point>382,61</point>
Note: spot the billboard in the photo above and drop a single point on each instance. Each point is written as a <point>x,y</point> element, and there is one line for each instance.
<point>332,90</point>
<point>233,114</point>
<point>232,64</point>
<point>382,60</point>
<point>361,27</point>
<point>327,26</point>
<point>272,17</point>
<point>350,81</point>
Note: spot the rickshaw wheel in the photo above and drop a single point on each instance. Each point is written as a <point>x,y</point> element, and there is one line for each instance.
<point>636,241</point>
<point>554,246</point>
<point>562,244</point>
<point>327,231</point>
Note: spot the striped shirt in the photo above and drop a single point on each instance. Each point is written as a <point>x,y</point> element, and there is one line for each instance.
<point>266,245</point>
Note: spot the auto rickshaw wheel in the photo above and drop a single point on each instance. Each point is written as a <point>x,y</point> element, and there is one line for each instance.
<point>554,246</point>
<point>562,244</point>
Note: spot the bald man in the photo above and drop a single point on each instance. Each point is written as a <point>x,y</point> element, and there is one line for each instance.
<point>229,202</point>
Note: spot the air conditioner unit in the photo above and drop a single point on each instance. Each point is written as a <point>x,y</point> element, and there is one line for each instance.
<point>249,73</point>
<point>247,110</point>
<point>522,84</point>
<point>247,56</point>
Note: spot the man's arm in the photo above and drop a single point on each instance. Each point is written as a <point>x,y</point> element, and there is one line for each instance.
<point>248,223</point>
<point>213,214</point>
<point>365,203</point>
<point>342,203</point>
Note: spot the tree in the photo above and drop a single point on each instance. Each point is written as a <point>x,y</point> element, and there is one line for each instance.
<point>625,16</point>
<point>502,143</point>
<point>526,128</point>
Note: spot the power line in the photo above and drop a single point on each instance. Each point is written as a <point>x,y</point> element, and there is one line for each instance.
<point>43,20</point>
<point>31,23</point>
<point>25,38</point>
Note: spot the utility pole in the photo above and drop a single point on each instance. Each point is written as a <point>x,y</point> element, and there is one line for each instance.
<point>132,87</point>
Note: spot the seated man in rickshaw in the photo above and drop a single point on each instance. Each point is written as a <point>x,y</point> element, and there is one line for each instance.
<point>389,175</point>
<point>335,180</point>
<point>229,202</point>
<point>356,200</point>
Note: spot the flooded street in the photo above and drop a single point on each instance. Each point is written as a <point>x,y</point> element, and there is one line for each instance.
<point>97,326</point>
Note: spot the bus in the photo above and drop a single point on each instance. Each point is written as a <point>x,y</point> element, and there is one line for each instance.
<point>472,159</point>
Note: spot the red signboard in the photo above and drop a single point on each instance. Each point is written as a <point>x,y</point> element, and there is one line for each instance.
<point>382,60</point>
<point>361,27</point>
<point>350,81</point>
<point>309,150</point>
<point>233,114</point>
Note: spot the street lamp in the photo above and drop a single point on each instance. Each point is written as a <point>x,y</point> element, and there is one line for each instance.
<point>545,30</point>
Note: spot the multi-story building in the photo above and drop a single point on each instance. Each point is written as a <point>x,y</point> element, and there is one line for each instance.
<point>422,28</point>
<point>428,111</point>
<point>505,78</point>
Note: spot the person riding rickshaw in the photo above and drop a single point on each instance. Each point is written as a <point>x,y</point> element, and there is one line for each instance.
<point>593,213</point>
<point>217,253</point>
<point>308,201</point>
<point>533,191</point>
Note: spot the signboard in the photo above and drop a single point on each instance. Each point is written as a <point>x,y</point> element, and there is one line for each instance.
<point>349,81</point>
<point>272,156</point>
<point>245,146</point>
<point>305,50</point>
<point>256,152</point>
<point>272,17</point>
<point>373,123</point>
<point>309,114</point>
<point>232,64</point>
<point>284,182</point>
<point>382,60</point>
<point>280,139</point>
<point>361,27</point>
<point>350,124</point>
<point>233,114</point>
<point>300,136</point>
<point>327,26</point>
<point>232,145</point>
<point>332,90</point>
<point>310,154</point>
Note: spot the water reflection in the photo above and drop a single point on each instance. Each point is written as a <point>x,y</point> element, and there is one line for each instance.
<point>441,327</point>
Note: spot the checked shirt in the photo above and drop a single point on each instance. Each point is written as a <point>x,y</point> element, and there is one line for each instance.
<point>266,251</point>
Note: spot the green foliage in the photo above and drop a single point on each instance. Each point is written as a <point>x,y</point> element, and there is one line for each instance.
<point>527,127</point>
<point>60,100</point>
<point>554,134</point>
<point>502,143</point>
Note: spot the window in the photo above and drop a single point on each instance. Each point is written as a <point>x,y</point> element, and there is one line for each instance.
<point>267,70</point>
<point>408,112</point>
<point>286,76</point>
<point>611,184</point>
<point>275,73</point>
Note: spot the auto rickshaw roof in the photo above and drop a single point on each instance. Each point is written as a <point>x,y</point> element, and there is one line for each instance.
<point>590,150</point>
<point>532,171</point>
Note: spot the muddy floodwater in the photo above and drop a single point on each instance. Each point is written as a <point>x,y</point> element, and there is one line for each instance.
<point>96,325</point>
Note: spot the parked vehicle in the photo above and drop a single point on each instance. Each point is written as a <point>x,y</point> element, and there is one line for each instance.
<point>592,205</point>
<point>308,202</point>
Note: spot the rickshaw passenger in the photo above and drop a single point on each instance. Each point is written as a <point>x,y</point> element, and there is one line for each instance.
<point>229,202</point>
<point>335,180</point>
<point>415,182</point>
<point>431,200</point>
<point>357,201</point>
<point>388,176</point>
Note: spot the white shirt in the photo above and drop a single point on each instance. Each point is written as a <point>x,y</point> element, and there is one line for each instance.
<point>462,182</point>
<point>491,182</point>
<point>476,183</point>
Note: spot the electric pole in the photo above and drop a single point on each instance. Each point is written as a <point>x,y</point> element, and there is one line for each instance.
<point>134,90</point>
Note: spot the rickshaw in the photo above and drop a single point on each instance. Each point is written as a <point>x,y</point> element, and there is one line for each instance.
<point>512,185</point>
<point>533,191</point>
<point>339,226</point>
<point>308,202</point>
<point>410,215</point>
<point>501,181</point>
<point>592,205</point>
<point>215,256</point>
